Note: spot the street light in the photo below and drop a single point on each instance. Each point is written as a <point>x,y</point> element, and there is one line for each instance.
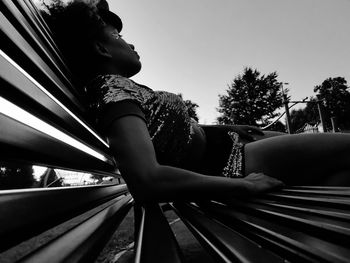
<point>321,113</point>
<point>285,102</point>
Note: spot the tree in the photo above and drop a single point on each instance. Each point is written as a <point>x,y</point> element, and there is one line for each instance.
<point>309,114</point>
<point>251,99</point>
<point>50,179</point>
<point>16,176</point>
<point>191,107</point>
<point>336,96</point>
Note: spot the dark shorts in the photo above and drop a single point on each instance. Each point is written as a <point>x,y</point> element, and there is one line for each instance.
<point>218,154</point>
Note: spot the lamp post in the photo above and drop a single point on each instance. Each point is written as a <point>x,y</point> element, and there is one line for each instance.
<point>321,113</point>
<point>320,107</point>
<point>285,102</point>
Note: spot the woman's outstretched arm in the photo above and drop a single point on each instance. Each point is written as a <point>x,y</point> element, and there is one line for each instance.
<point>147,180</point>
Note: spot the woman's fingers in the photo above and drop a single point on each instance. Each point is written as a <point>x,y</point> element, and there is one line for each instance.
<point>259,183</point>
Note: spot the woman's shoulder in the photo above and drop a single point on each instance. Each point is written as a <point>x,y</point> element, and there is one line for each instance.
<point>106,89</point>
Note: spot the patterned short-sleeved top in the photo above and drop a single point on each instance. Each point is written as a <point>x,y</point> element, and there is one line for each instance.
<point>165,114</point>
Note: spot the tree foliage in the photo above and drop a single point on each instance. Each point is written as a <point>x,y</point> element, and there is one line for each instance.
<point>17,176</point>
<point>191,108</point>
<point>251,99</point>
<point>309,114</point>
<point>335,98</point>
<point>50,179</point>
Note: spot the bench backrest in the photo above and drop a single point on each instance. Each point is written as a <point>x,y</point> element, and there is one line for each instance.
<point>43,122</point>
<point>39,104</point>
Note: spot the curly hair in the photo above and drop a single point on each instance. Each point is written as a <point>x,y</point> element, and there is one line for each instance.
<point>74,25</point>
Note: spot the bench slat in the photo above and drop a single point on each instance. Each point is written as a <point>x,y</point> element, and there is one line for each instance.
<point>295,236</point>
<point>17,86</point>
<point>331,191</point>
<point>16,81</point>
<point>84,242</point>
<point>36,21</point>
<point>18,141</point>
<point>156,241</point>
<point>339,202</point>
<point>45,208</point>
<point>308,210</point>
<point>225,244</point>
<point>30,45</point>
<point>34,53</point>
<point>314,223</point>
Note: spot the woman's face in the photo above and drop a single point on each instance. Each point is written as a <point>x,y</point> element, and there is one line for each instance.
<point>123,56</point>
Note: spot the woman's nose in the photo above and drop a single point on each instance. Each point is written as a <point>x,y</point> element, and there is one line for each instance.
<point>132,46</point>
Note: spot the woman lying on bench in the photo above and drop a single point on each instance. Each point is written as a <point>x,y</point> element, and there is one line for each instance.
<point>161,152</point>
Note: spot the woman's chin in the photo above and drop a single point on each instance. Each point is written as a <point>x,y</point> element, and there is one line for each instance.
<point>137,69</point>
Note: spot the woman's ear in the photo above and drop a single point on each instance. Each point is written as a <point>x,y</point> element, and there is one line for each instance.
<point>101,50</point>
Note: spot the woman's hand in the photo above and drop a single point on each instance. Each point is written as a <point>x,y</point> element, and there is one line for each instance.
<point>259,183</point>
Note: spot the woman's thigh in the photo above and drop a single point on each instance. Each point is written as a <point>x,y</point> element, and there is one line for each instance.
<point>299,159</point>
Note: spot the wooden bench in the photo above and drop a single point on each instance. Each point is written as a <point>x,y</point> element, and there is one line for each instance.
<point>43,122</point>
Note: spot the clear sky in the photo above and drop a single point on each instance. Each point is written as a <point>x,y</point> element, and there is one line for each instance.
<point>197,47</point>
